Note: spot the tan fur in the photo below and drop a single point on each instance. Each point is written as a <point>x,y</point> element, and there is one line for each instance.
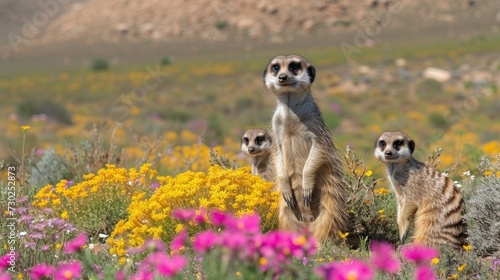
<point>422,193</point>
<point>308,169</point>
<point>257,144</point>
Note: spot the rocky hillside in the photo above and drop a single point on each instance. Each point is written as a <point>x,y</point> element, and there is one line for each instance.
<point>93,21</point>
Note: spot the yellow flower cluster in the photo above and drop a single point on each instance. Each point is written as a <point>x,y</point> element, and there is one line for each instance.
<point>381,191</point>
<point>236,191</point>
<point>93,198</point>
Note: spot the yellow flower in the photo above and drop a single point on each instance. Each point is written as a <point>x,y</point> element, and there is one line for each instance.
<point>435,261</point>
<point>20,276</point>
<point>368,173</point>
<point>497,174</point>
<point>58,246</point>
<point>367,201</point>
<point>122,261</point>
<point>238,274</point>
<point>381,211</point>
<point>262,261</point>
<point>467,247</point>
<point>178,228</point>
<point>462,267</point>
<point>454,277</point>
<point>25,127</point>
<point>64,215</point>
<point>299,241</point>
<point>343,235</point>
<point>488,173</point>
<point>381,191</point>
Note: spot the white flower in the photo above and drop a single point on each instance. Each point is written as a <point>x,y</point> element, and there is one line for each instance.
<point>472,177</point>
<point>22,233</point>
<point>91,246</point>
<point>102,235</point>
<point>445,174</point>
<point>466,173</point>
<point>457,184</point>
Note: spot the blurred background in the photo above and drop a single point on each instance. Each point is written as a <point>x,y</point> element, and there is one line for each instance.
<point>128,81</point>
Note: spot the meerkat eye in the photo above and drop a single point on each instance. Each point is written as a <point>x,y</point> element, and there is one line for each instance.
<point>398,144</point>
<point>275,68</point>
<point>382,143</point>
<point>246,140</point>
<point>294,66</point>
<point>259,140</point>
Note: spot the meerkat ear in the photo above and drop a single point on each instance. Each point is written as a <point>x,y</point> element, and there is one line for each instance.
<point>311,72</point>
<point>411,144</point>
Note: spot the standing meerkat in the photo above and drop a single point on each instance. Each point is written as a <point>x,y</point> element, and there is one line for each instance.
<point>308,168</point>
<point>256,143</point>
<point>422,193</point>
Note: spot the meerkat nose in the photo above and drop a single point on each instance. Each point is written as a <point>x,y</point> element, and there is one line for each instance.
<point>251,149</point>
<point>282,78</point>
<point>388,153</point>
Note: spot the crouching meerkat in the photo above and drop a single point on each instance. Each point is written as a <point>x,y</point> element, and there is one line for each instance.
<point>422,193</point>
<point>308,169</point>
<point>256,144</point>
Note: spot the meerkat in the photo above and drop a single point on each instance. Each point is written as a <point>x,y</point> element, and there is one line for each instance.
<point>256,143</point>
<point>308,168</point>
<point>422,194</point>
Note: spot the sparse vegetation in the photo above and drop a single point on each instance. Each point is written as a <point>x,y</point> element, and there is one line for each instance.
<point>99,64</point>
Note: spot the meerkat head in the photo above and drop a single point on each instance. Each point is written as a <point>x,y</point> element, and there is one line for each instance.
<point>256,142</point>
<point>288,74</point>
<point>394,147</point>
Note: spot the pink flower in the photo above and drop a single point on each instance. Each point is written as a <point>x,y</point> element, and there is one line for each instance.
<point>151,245</point>
<point>171,266</point>
<point>424,272</point>
<point>354,269</point>
<point>68,270</point>
<point>199,217</point>
<point>6,260</point>
<point>247,223</point>
<point>4,276</point>
<point>143,275</point>
<point>185,215</point>
<point>120,275</point>
<point>75,244</point>
<point>204,241</point>
<point>41,271</point>
<point>179,240</point>
<point>220,218</point>
<point>419,253</point>
<point>382,257</point>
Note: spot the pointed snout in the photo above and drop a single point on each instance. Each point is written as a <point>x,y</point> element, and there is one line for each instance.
<point>282,78</point>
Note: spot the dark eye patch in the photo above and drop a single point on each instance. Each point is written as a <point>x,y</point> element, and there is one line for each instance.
<point>382,143</point>
<point>398,143</point>
<point>259,140</point>
<point>275,67</point>
<point>294,66</point>
<point>246,140</point>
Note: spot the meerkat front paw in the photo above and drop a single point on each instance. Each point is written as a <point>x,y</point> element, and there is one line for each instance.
<point>286,191</point>
<point>308,192</point>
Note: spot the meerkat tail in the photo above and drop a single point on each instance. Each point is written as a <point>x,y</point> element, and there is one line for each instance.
<point>288,218</point>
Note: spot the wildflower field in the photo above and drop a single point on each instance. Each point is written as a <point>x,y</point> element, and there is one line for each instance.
<point>105,177</point>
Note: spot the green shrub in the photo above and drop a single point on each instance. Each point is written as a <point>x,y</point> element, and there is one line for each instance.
<point>372,211</point>
<point>52,109</point>
<point>50,169</point>
<point>483,209</point>
<point>166,60</point>
<point>100,65</point>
